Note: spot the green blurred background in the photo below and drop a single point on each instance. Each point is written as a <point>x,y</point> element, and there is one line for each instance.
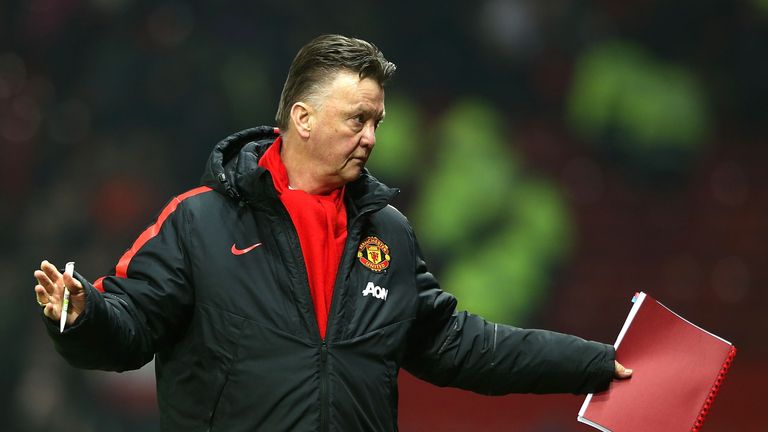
<point>554,156</point>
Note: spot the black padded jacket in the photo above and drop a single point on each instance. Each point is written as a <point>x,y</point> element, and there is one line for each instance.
<point>232,327</point>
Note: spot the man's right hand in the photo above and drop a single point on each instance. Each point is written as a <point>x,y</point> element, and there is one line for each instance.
<point>50,292</point>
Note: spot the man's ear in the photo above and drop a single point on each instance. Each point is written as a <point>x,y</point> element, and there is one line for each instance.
<point>302,118</point>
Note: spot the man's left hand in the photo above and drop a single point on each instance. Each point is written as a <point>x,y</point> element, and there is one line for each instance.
<point>620,371</point>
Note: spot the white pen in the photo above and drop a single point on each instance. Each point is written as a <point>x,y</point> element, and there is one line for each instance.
<point>68,269</point>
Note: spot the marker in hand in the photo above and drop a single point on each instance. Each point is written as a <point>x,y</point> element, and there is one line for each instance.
<point>70,270</point>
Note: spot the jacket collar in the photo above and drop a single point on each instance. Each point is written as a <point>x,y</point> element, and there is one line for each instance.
<point>233,170</point>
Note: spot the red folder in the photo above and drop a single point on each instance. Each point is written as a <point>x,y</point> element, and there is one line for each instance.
<point>678,369</point>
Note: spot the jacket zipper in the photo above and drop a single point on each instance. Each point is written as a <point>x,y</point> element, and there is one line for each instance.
<point>323,367</point>
<point>324,400</point>
<point>324,397</point>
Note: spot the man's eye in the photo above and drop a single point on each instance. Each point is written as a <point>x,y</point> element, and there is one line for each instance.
<point>360,118</point>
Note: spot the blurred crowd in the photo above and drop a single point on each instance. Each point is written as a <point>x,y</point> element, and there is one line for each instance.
<point>555,156</point>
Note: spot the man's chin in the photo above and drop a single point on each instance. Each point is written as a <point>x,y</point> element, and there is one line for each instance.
<point>352,173</point>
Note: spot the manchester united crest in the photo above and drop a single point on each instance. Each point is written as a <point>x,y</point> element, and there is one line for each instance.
<point>374,254</point>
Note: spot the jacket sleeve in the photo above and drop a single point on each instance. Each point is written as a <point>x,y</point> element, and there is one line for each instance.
<point>459,349</point>
<point>145,303</point>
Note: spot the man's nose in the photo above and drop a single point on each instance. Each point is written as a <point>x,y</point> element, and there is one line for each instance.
<point>368,138</point>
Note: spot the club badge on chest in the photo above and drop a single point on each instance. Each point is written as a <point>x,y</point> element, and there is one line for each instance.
<point>373,254</point>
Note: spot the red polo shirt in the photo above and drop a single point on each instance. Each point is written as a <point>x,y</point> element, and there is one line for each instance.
<point>321,223</point>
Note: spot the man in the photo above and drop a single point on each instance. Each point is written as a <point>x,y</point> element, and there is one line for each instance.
<point>286,294</point>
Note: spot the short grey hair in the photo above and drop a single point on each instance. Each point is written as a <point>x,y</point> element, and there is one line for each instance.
<point>319,60</point>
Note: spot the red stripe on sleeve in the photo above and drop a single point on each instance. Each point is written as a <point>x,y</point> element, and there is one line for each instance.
<point>98,284</point>
<point>121,270</point>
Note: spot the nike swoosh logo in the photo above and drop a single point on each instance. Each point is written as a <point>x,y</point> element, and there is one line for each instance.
<point>236,251</point>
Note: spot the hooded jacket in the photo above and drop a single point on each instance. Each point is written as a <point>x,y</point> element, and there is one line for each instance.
<point>216,290</point>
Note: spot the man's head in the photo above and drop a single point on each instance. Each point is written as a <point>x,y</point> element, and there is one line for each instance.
<point>317,63</point>
<point>332,103</point>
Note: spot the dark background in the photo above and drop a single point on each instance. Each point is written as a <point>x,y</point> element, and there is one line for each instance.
<point>554,156</point>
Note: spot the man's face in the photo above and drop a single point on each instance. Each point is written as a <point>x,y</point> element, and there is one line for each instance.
<point>343,130</point>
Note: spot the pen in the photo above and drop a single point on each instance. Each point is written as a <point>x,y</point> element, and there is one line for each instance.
<point>68,269</point>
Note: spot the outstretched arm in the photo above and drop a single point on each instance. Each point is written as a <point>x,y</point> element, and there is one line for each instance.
<point>459,349</point>
<point>143,306</point>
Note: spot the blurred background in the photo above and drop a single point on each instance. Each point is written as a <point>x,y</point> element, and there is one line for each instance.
<point>555,156</point>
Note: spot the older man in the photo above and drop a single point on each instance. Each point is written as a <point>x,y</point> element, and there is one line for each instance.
<point>286,294</point>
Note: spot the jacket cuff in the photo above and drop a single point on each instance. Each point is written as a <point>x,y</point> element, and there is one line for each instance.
<point>606,369</point>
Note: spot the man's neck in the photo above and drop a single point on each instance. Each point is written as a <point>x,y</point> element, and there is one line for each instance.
<point>301,170</point>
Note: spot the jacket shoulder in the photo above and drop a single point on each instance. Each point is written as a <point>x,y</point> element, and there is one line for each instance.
<point>200,199</point>
<point>392,216</point>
